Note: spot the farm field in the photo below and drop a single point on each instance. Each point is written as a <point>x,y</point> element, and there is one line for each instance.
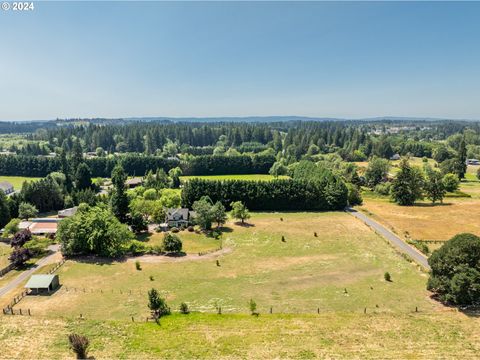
<point>252,177</point>
<point>296,276</point>
<point>17,181</point>
<point>327,335</point>
<point>424,221</point>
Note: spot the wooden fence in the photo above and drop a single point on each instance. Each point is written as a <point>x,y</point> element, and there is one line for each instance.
<point>9,309</point>
<point>12,311</point>
<point>57,265</point>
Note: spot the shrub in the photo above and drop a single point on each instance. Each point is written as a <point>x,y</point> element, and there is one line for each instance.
<point>383,188</point>
<point>79,344</point>
<point>253,306</point>
<point>12,227</point>
<point>283,239</point>
<point>174,230</point>
<point>137,265</point>
<point>184,308</point>
<point>190,228</point>
<point>151,278</point>
<point>387,276</point>
<point>172,243</point>
<point>451,182</point>
<point>354,196</point>
<point>137,247</point>
<point>157,304</point>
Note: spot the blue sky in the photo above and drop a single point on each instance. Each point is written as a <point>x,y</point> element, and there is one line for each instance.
<point>118,59</point>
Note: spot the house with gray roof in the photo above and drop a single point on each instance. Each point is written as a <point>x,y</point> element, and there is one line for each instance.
<point>181,217</point>
<point>6,187</point>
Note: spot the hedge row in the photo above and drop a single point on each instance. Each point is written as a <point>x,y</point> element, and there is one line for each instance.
<point>329,193</point>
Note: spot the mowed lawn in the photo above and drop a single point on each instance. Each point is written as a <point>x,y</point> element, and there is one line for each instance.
<point>252,177</point>
<point>17,181</point>
<point>192,242</point>
<point>340,270</point>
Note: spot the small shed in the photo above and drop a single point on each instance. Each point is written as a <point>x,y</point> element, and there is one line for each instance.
<point>134,182</point>
<point>44,283</point>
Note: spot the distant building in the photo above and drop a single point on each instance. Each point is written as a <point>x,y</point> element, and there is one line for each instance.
<point>395,157</point>
<point>181,217</point>
<point>6,187</point>
<point>134,182</point>
<point>473,162</point>
<point>40,226</point>
<point>67,212</point>
<point>41,284</point>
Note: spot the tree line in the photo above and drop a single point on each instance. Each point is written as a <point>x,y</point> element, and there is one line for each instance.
<point>329,193</point>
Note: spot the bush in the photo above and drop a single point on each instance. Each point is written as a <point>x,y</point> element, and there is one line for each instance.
<point>354,196</point>
<point>451,182</point>
<point>387,276</point>
<point>190,228</point>
<point>137,248</point>
<point>79,344</point>
<point>174,230</point>
<point>137,265</point>
<point>253,306</point>
<point>184,308</point>
<point>157,304</point>
<point>455,270</point>
<point>383,188</point>
<point>172,243</point>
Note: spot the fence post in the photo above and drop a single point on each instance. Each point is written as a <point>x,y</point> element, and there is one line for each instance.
<point>20,311</point>
<point>318,310</point>
<point>416,309</point>
<point>29,313</point>
<point>133,320</point>
<point>365,310</point>
<point>271,310</point>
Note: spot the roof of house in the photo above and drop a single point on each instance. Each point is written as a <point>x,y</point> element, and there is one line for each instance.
<point>181,212</point>
<point>4,185</point>
<point>40,225</point>
<point>134,181</point>
<point>68,212</point>
<point>40,281</point>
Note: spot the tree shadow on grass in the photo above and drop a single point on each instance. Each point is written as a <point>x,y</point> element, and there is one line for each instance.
<point>246,225</point>
<point>432,205</point>
<point>97,260</point>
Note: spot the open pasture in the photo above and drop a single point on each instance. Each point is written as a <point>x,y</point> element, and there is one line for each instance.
<point>17,181</point>
<point>340,269</point>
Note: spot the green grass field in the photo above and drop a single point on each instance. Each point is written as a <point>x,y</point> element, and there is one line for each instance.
<point>252,177</point>
<point>191,241</point>
<point>17,181</point>
<point>296,276</point>
<point>339,271</point>
<point>446,335</point>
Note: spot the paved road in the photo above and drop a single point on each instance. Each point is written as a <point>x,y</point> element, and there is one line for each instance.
<point>24,275</point>
<point>392,238</point>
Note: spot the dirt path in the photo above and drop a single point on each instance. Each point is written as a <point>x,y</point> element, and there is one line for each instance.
<point>188,257</point>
